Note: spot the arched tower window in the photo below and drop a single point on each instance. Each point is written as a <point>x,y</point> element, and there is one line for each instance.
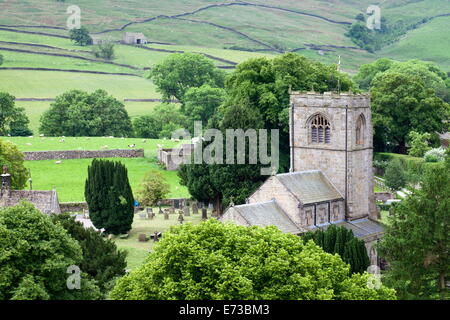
<point>320,129</point>
<point>360,128</point>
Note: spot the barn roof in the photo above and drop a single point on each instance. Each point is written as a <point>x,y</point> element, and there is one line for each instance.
<point>309,186</point>
<point>266,214</point>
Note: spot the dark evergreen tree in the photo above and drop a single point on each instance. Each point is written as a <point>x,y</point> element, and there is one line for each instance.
<point>101,258</point>
<point>109,196</point>
<point>342,241</point>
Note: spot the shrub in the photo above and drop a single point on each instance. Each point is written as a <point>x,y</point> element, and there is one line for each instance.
<point>152,189</point>
<point>435,155</point>
<point>395,176</point>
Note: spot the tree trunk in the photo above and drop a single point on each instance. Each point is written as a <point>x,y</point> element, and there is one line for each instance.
<point>218,204</point>
<point>401,148</point>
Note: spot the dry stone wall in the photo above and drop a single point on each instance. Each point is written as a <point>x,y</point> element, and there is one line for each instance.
<point>83,154</point>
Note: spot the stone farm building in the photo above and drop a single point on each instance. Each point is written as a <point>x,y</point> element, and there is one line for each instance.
<point>331,175</point>
<point>45,201</point>
<point>134,38</point>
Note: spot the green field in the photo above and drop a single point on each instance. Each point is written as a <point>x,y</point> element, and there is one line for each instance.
<point>69,176</point>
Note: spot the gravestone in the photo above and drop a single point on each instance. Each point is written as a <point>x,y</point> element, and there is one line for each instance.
<point>204,214</point>
<point>186,211</point>
<point>156,236</point>
<point>176,204</point>
<point>166,214</point>
<point>150,213</point>
<point>210,207</point>
<point>142,237</point>
<point>180,217</point>
<point>194,208</point>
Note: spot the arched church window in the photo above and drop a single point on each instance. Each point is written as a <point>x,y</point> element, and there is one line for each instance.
<point>360,128</point>
<point>320,129</point>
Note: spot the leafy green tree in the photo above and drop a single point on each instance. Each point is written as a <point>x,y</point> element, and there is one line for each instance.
<point>101,258</point>
<point>220,183</point>
<point>367,72</point>
<point>182,71</point>
<point>77,113</point>
<point>418,143</point>
<point>152,189</point>
<point>223,261</point>
<point>35,256</point>
<point>403,103</point>
<point>342,241</point>
<point>416,243</point>
<point>395,176</point>
<point>105,50</point>
<point>13,120</point>
<point>263,84</point>
<point>164,119</point>
<point>201,103</point>
<point>109,196</point>
<point>81,36</point>
<point>11,157</point>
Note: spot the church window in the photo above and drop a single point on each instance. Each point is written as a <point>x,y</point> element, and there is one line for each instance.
<point>360,124</point>
<point>320,129</point>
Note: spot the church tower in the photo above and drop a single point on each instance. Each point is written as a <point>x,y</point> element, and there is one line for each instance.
<point>332,132</point>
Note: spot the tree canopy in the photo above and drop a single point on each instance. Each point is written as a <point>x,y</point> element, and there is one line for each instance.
<point>182,71</point>
<point>402,103</point>
<point>109,196</point>
<point>224,261</point>
<point>11,157</point>
<point>77,113</point>
<point>35,256</point>
<point>13,120</point>
<point>416,243</point>
<point>81,36</point>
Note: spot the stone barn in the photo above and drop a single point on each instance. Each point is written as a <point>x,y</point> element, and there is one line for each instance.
<point>134,38</point>
<point>331,177</point>
<point>45,201</point>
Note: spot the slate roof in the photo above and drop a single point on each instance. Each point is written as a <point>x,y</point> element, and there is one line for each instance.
<point>266,214</point>
<point>309,186</point>
<point>361,228</point>
<point>45,201</point>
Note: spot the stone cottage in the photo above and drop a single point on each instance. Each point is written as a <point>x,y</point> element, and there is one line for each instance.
<point>330,179</point>
<point>45,201</point>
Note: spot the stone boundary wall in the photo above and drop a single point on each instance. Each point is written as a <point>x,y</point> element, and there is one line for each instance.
<point>83,154</point>
<point>73,206</point>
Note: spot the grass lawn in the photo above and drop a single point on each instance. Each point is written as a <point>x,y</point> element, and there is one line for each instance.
<point>137,251</point>
<point>68,177</point>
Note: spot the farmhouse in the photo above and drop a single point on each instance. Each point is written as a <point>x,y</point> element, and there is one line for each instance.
<point>331,175</point>
<point>45,201</point>
<point>134,38</point>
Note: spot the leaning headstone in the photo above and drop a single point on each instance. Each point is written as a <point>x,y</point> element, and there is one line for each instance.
<point>180,217</point>
<point>142,237</point>
<point>166,214</point>
<point>194,208</point>
<point>204,214</point>
<point>187,211</point>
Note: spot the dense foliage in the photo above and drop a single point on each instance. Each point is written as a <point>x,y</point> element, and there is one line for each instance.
<point>81,36</point>
<point>102,261</point>
<point>402,103</point>
<point>77,114</point>
<point>224,261</point>
<point>109,196</point>
<point>35,256</point>
<point>221,182</point>
<point>395,176</point>
<point>153,188</point>
<point>416,243</point>
<point>13,120</point>
<point>418,143</point>
<point>342,241</point>
<point>11,157</point>
<point>104,50</point>
<point>182,71</point>
<point>161,122</point>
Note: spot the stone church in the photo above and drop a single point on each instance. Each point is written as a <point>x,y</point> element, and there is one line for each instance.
<point>331,176</point>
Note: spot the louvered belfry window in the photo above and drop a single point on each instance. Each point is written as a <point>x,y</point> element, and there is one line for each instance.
<point>320,129</point>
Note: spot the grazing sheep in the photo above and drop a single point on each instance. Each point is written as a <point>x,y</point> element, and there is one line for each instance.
<point>62,140</point>
<point>131,145</point>
<point>29,144</point>
<point>58,162</point>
